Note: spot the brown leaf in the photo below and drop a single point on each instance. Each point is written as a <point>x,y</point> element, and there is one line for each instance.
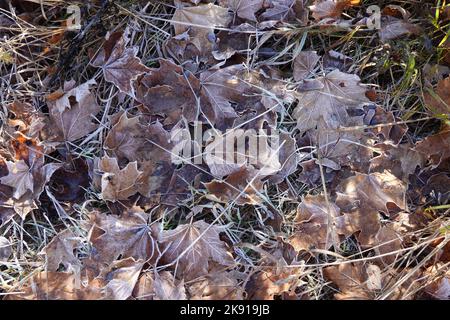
<point>166,287</point>
<point>363,196</point>
<point>240,187</point>
<point>192,246</point>
<point>337,93</point>
<point>5,249</point>
<point>393,28</point>
<point>122,277</point>
<point>436,148</point>
<point>330,8</point>
<point>127,236</point>
<point>61,251</point>
<point>19,177</point>
<point>119,64</point>
<point>118,184</point>
<point>216,286</point>
<point>286,11</point>
<point>304,64</point>
<point>244,9</point>
<point>203,17</point>
<point>71,114</point>
<point>439,101</point>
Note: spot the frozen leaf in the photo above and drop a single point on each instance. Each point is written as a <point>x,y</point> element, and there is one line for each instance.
<point>285,10</point>
<point>122,277</point>
<point>119,64</point>
<point>315,218</point>
<point>304,64</point>
<point>191,247</point>
<point>401,160</point>
<point>20,178</point>
<point>127,236</point>
<point>73,121</point>
<point>330,8</point>
<point>203,17</point>
<point>166,287</point>
<point>393,28</point>
<point>216,286</point>
<point>240,187</point>
<point>144,289</point>
<point>60,251</point>
<point>118,184</point>
<point>288,158</point>
<point>338,92</point>
<point>61,100</point>
<point>363,196</point>
<point>28,120</point>
<point>244,9</point>
<point>169,90</point>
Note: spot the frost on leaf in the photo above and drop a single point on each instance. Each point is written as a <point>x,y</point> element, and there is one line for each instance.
<point>337,92</point>
<point>190,248</point>
<point>119,63</point>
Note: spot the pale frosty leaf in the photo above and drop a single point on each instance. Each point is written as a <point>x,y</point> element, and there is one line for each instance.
<point>122,277</point>
<point>199,242</point>
<point>337,93</point>
<point>19,177</point>
<point>330,8</point>
<point>61,251</point>
<point>393,28</point>
<point>220,285</point>
<point>166,287</point>
<point>244,9</point>
<point>128,236</point>
<point>203,17</point>
<point>5,248</point>
<point>304,64</point>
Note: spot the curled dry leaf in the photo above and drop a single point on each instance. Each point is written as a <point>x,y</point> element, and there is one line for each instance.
<point>336,93</point>
<point>127,236</point>
<point>121,278</point>
<point>72,112</point>
<point>240,187</point>
<point>118,184</point>
<point>191,247</point>
<point>119,64</point>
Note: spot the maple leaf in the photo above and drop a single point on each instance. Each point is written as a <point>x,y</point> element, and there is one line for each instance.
<point>119,64</point>
<point>118,184</point>
<point>166,287</point>
<point>244,9</point>
<point>28,120</point>
<point>240,187</point>
<point>362,196</point>
<point>337,92</point>
<point>203,17</point>
<point>128,236</point>
<point>318,224</point>
<point>304,64</point>
<point>61,251</point>
<point>20,178</point>
<point>73,120</point>
<point>192,246</point>
<point>170,91</point>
